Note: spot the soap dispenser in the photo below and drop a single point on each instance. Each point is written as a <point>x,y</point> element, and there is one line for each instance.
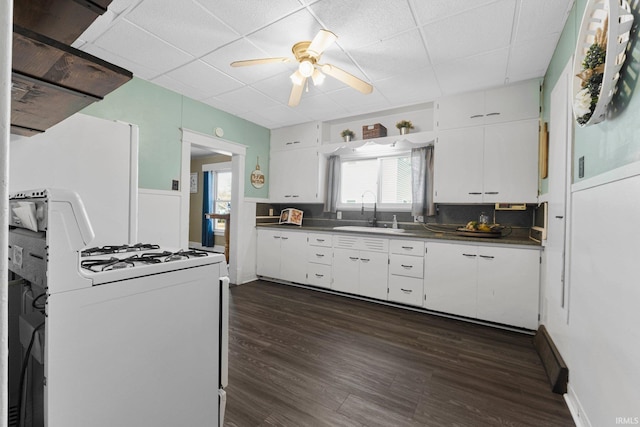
<point>395,222</point>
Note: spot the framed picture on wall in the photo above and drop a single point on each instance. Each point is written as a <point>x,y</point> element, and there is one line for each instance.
<point>193,183</point>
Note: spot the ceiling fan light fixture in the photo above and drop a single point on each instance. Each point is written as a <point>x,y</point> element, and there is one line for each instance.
<point>297,78</point>
<point>306,68</point>
<point>317,77</point>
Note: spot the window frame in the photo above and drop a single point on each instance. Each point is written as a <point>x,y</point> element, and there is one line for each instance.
<point>221,167</point>
<point>367,200</point>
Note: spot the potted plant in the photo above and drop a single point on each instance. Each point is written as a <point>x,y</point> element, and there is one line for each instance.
<point>404,126</point>
<point>347,134</point>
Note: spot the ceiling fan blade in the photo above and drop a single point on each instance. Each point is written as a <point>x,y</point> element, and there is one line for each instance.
<point>346,78</point>
<point>247,62</point>
<point>320,42</point>
<point>296,93</point>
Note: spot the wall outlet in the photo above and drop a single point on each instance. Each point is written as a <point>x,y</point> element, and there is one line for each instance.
<point>418,218</point>
<point>270,212</point>
<point>175,185</point>
<point>581,167</point>
<point>339,215</point>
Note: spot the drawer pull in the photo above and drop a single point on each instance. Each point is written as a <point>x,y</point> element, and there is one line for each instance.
<point>406,266</point>
<point>365,259</point>
<point>319,275</point>
<point>475,116</point>
<point>475,193</point>
<point>284,238</point>
<point>406,291</point>
<point>352,258</point>
<point>491,192</point>
<point>319,255</point>
<point>493,114</point>
<point>487,256</point>
<point>408,247</point>
<point>320,240</point>
<point>469,255</point>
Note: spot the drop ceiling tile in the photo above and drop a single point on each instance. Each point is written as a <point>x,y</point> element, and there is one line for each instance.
<point>539,18</point>
<point>319,106</point>
<point>473,73</point>
<point>141,47</point>
<point>208,80</point>
<point>178,87</point>
<point>97,28</point>
<point>137,69</point>
<point>278,38</point>
<point>434,10</point>
<point>248,99</point>
<point>243,49</point>
<point>247,16</point>
<point>277,87</point>
<point>412,87</point>
<point>119,6</point>
<point>184,24</point>
<point>360,22</point>
<point>531,59</point>
<point>480,30</point>
<point>224,106</point>
<point>352,100</point>
<point>392,56</point>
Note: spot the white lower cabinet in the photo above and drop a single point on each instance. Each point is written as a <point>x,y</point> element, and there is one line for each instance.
<point>360,265</point>
<point>319,260</point>
<point>406,272</point>
<point>282,255</point>
<point>497,284</point>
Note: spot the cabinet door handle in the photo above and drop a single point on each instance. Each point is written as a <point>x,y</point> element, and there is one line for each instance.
<point>276,237</point>
<point>559,216</point>
<point>319,275</point>
<point>319,255</point>
<point>320,240</point>
<point>407,247</point>
<point>287,195</point>
<point>475,192</point>
<point>487,256</point>
<point>295,195</point>
<point>468,255</point>
<point>475,116</point>
<point>406,266</point>
<point>406,291</point>
<point>284,238</point>
<point>365,259</point>
<point>352,258</point>
<point>292,142</point>
<point>493,114</point>
<point>491,192</point>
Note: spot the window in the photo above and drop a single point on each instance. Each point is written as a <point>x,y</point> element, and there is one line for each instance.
<point>220,174</point>
<point>389,178</point>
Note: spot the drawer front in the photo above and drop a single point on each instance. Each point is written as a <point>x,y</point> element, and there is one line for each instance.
<point>407,247</point>
<point>406,265</point>
<point>319,275</point>
<point>406,290</point>
<point>319,239</point>
<point>319,254</point>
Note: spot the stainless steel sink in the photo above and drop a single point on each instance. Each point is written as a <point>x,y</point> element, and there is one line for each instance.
<point>370,229</point>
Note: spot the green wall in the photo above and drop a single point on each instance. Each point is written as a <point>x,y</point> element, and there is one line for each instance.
<point>616,141</point>
<point>160,114</point>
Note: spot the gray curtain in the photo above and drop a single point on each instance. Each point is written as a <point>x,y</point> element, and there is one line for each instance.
<point>422,181</point>
<point>333,184</point>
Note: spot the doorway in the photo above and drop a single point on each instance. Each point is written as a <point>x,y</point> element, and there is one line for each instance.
<point>237,152</point>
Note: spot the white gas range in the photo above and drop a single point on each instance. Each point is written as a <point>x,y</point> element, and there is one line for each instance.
<point>127,335</point>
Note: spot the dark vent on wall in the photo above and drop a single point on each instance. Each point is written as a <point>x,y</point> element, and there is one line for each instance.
<point>556,369</point>
<point>13,416</point>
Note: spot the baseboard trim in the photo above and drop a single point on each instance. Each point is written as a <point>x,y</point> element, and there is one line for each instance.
<point>557,371</point>
<point>575,408</point>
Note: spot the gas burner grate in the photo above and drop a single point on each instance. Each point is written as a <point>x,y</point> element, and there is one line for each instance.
<point>113,263</point>
<point>109,249</point>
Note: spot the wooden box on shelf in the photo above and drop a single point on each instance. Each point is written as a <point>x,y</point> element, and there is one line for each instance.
<point>373,131</point>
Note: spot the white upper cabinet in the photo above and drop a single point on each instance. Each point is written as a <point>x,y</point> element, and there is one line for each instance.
<point>297,176</point>
<point>487,164</point>
<point>297,136</point>
<point>518,101</point>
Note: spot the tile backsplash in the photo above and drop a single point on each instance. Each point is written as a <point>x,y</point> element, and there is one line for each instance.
<point>445,214</point>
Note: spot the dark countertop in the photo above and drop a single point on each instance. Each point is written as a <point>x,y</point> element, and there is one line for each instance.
<point>516,236</point>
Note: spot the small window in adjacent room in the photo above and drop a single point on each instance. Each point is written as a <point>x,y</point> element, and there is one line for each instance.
<point>389,178</point>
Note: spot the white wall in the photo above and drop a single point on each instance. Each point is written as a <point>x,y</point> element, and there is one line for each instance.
<point>602,344</point>
<point>160,218</point>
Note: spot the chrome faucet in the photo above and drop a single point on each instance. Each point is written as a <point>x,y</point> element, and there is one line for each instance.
<point>373,221</point>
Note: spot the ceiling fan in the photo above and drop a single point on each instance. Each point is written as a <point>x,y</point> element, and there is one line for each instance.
<point>308,55</point>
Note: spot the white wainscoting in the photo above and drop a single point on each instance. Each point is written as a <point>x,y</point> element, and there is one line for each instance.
<point>159,217</point>
<point>604,312</point>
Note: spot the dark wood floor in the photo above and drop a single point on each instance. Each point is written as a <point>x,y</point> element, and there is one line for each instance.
<point>304,358</point>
